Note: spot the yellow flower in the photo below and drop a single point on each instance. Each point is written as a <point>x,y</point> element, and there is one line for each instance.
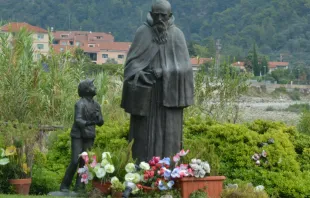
<point>25,168</point>
<point>11,150</point>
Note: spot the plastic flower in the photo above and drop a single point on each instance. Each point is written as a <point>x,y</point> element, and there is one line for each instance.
<point>176,158</point>
<point>175,173</point>
<point>259,188</point>
<point>206,167</point>
<point>165,161</point>
<point>137,178</point>
<point>100,173</point>
<point>183,153</point>
<point>4,161</point>
<point>109,168</point>
<point>94,162</point>
<point>264,153</point>
<point>106,155</point>
<point>114,180</point>
<point>11,150</point>
<point>130,177</point>
<point>130,168</point>
<point>167,174</point>
<point>144,166</point>
<point>84,156</point>
<point>104,162</point>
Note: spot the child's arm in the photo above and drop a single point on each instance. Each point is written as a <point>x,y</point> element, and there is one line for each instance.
<point>99,117</point>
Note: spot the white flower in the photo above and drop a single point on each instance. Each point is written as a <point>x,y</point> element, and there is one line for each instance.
<point>104,162</point>
<point>90,176</point>
<point>109,168</point>
<point>105,155</point>
<point>137,178</point>
<point>130,168</point>
<point>144,166</point>
<point>206,167</point>
<point>194,161</point>
<point>194,166</point>
<point>114,180</point>
<point>130,177</point>
<point>100,173</point>
<point>259,188</point>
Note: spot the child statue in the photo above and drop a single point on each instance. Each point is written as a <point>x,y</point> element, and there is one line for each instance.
<point>87,114</point>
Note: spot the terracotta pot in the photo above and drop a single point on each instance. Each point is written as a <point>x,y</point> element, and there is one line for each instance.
<point>117,194</point>
<point>148,189</point>
<point>213,185</point>
<point>21,186</point>
<point>104,187</point>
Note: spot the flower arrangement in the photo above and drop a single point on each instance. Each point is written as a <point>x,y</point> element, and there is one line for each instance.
<point>159,174</point>
<point>14,159</point>
<point>93,169</point>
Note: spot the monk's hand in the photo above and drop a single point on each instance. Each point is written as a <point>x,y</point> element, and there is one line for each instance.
<point>90,123</point>
<point>146,77</point>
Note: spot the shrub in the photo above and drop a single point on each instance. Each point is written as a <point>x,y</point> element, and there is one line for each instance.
<point>244,191</point>
<point>304,122</point>
<point>236,143</point>
<point>298,108</point>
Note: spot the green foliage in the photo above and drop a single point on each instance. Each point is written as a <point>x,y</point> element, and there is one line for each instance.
<point>198,194</point>
<point>236,143</point>
<point>294,95</point>
<point>304,122</point>
<point>217,93</point>
<point>243,191</point>
<point>298,108</point>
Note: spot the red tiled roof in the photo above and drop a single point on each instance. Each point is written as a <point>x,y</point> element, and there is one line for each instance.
<point>199,61</point>
<point>238,64</point>
<point>277,64</point>
<point>15,26</point>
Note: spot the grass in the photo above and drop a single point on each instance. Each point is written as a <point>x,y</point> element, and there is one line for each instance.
<point>28,196</point>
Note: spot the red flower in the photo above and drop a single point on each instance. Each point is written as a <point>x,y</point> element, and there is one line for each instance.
<point>154,168</point>
<point>139,186</point>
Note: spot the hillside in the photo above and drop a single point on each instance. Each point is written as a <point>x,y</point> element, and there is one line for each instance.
<point>277,26</point>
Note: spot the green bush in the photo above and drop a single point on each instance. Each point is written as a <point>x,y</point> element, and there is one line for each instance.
<point>236,143</point>
<point>298,108</point>
<point>304,122</point>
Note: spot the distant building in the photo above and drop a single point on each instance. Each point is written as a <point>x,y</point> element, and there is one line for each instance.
<point>271,65</point>
<point>100,46</point>
<point>239,65</point>
<point>277,65</point>
<point>40,37</point>
<point>197,62</point>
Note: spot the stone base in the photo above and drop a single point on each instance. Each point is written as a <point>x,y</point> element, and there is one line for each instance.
<point>66,194</point>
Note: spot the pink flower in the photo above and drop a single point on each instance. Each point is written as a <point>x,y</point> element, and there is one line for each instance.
<point>176,158</point>
<point>183,166</point>
<point>84,178</point>
<point>183,153</point>
<point>152,162</point>
<point>94,163</point>
<point>190,172</point>
<point>156,159</point>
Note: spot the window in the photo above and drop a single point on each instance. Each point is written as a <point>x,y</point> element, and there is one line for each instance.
<point>40,46</point>
<point>105,55</point>
<point>40,36</point>
<point>71,42</point>
<point>38,56</point>
<point>120,56</point>
<point>64,43</point>
<point>64,36</point>
<point>61,49</point>
<point>77,43</point>
<point>56,42</point>
<point>91,45</point>
<point>99,37</point>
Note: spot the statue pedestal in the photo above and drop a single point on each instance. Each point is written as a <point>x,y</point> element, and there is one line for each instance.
<point>65,194</point>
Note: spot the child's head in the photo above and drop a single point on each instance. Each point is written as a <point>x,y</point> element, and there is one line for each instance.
<point>87,88</point>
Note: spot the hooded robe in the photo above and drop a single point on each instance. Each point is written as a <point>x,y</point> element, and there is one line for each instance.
<point>159,132</point>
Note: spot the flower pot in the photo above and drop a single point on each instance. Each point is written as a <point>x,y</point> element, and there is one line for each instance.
<point>21,186</point>
<point>104,187</point>
<point>148,189</point>
<point>117,194</point>
<point>212,185</point>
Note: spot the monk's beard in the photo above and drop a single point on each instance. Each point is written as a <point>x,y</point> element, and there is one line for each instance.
<point>160,30</point>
